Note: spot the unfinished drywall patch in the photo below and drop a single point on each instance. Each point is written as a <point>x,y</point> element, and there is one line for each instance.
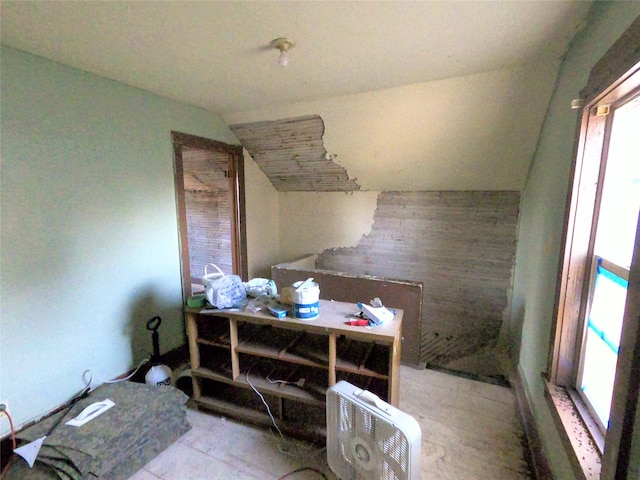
<point>461,246</point>
<point>291,154</point>
<point>262,205</point>
<point>310,222</point>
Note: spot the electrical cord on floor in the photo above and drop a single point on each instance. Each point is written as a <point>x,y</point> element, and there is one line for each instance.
<point>282,446</point>
<point>83,394</point>
<point>298,383</point>
<point>273,420</point>
<point>304,469</point>
<point>318,452</point>
<point>117,380</point>
<point>307,454</point>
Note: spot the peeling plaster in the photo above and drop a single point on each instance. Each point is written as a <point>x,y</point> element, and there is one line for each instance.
<point>291,154</point>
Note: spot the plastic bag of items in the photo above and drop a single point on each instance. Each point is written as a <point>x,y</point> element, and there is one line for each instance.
<point>223,291</point>
<point>261,287</point>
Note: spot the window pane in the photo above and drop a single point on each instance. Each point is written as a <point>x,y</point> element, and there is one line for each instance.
<point>621,189</point>
<point>615,236</point>
<point>599,375</point>
<point>603,341</point>
<point>607,308</point>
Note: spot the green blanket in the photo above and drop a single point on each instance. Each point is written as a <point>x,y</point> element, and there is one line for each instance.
<point>144,421</point>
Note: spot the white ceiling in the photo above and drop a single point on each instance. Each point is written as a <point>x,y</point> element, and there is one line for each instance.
<point>216,55</point>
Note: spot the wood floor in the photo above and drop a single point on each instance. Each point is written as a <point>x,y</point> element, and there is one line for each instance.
<point>470,430</point>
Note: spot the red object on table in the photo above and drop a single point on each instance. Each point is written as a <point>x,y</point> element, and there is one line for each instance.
<point>358,323</point>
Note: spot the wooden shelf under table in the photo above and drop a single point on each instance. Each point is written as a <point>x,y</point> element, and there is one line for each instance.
<point>228,346</point>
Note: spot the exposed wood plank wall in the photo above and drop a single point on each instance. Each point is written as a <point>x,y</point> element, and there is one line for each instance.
<point>460,245</point>
<point>291,154</point>
<point>208,210</point>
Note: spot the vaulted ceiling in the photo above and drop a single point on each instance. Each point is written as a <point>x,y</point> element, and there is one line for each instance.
<point>217,54</point>
<point>409,95</point>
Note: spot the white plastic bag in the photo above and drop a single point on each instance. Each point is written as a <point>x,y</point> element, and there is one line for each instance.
<point>210,277</point>
<point>223,291</point>
<point>261,287</point>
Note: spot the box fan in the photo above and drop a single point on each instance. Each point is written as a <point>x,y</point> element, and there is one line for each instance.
<point>368,439</point>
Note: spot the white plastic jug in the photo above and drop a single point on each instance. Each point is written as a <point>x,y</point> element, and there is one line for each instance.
<point>158,375</point>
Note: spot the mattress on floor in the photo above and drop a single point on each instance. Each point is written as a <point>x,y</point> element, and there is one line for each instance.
<point>144,421</point>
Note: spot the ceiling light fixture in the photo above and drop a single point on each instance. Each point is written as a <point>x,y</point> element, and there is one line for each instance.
<point>283,44</point>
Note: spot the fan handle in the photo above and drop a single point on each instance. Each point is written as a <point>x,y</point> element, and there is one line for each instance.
<point>372,399</point>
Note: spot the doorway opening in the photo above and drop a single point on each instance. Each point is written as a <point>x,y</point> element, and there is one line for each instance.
<point>209,179</point>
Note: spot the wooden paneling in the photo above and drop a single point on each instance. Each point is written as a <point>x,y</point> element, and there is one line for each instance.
<point>291,154</point>
<point>207,198</point>
<point>459,245</point>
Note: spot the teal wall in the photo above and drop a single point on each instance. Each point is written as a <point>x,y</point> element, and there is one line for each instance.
<point>542,216</point>
<point>89,232</point>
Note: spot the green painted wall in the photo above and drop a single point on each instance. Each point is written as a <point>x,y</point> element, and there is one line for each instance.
<point>542,215</point>
<point>89,230</point>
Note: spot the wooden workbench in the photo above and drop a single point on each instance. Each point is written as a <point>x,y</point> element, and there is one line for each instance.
<point>291,362</point>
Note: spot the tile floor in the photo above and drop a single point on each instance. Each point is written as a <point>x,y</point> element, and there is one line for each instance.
<point>470,431</point>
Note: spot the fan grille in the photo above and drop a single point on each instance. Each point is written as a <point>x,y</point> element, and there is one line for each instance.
<point>370,447</point>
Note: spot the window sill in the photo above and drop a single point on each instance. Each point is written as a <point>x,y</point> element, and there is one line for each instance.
<point>581,448</point>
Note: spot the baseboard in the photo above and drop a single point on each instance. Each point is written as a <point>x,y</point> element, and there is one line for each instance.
<point>498,380</point>
<point>539,461</point>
